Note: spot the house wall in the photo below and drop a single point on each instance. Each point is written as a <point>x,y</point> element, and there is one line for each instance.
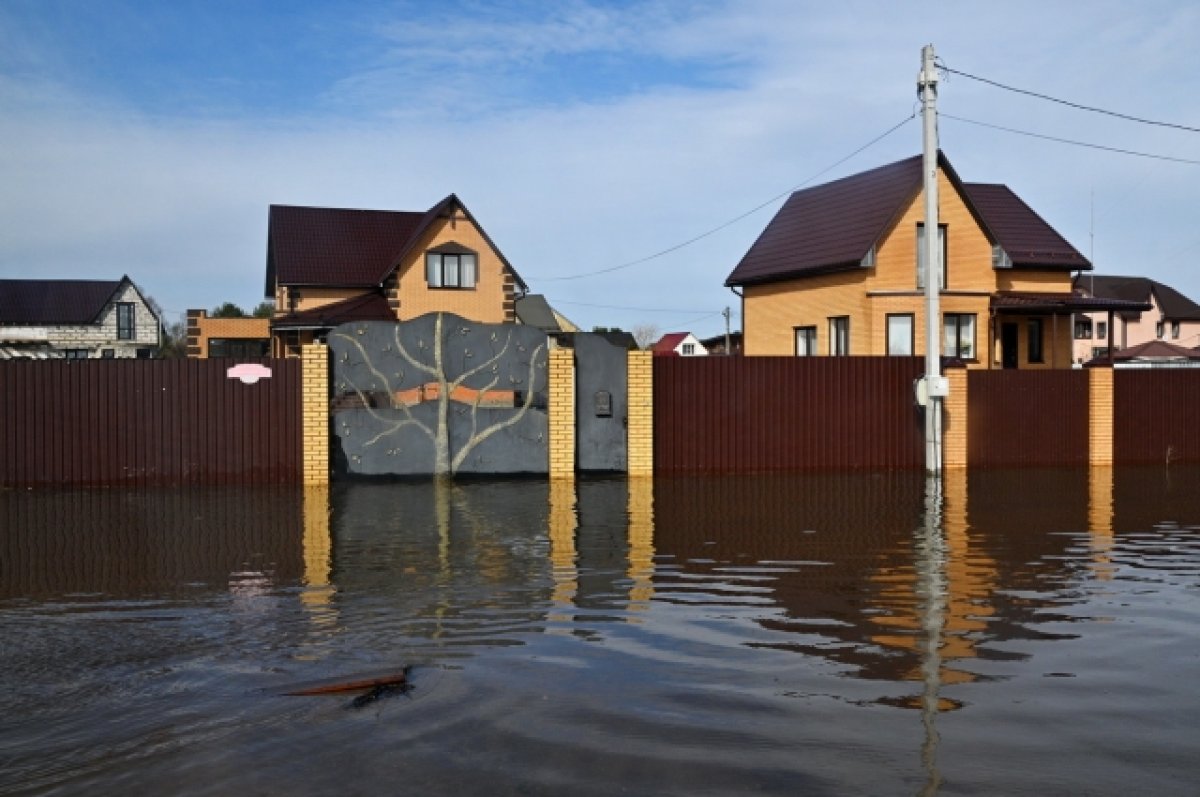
<point>490,301</point>
<point>201,329</point>
<point>772,312</point>
<point>310,298</point>
<point>103,334</point>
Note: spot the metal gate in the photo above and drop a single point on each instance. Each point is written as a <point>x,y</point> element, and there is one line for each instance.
<point>439,395</point>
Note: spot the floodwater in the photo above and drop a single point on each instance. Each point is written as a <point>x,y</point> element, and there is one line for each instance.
<point>1029,632</point>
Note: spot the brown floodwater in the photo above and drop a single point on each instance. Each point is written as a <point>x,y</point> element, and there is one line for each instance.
<point>1013,632</point>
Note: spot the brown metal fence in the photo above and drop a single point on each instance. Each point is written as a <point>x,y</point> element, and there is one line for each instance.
<point>147,422</point>
<point>1027,418</point>
<point>750,414</point>
<point>1156,415</point>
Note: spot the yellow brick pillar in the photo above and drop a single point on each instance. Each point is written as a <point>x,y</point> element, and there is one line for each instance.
<point>314,413</point>
<point>562,414</point>
<point>954,421</point>
<point>1100,416</point>
<point>640,433</point>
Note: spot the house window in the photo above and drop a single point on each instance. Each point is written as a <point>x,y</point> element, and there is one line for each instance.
<point>108,354</point>
<point>1174,329</point>
<point>900,334</point>
<point>1158,330</point>
<point>145,354</point>
<point>689,349</point>
<point>235,347</point>
<point>124,320</point>
<point>1102,330</point>
<point>450,266</point>
<point>1083,327</point>
<point>958,335</point>
<point>1035,340</point>
<point>839,336</point>
<point>921,256</point>
<point>806,341</point>
<point>76,354</point>
<point>1099,351</point>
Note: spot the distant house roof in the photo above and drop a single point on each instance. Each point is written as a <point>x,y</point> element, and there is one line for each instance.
<point>1174,305</point>
<point>1061,303</point>
<point>1151,351</point>
<point>668,343</point>
<point>534,310</point>
<point>832,227</point>
<point>347,248</point>
<point>367,307</point>
<point>55,302</point>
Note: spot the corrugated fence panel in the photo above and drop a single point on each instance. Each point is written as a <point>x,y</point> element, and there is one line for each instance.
<point>1156,415</point>
<point>147,422</point>
<point>1031,418</point>
<point>757,414</point>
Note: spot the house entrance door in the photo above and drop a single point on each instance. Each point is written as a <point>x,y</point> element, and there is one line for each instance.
<point>1008,344</point>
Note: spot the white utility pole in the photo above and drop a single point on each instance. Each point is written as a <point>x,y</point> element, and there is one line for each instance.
<point>935,385</point>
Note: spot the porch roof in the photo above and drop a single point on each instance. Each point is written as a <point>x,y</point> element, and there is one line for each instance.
<point>367,307</point>
<point>1060,303</point>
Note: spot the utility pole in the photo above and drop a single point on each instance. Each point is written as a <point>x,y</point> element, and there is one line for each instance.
<point>728,351</point>
<point>935,385</point>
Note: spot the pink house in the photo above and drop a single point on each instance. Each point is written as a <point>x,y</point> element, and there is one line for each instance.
<point>1171,316</point>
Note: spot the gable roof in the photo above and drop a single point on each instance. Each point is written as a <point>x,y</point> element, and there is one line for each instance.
<point>1152,350</point>
<point>1173,304</point>
<point>1024,235</point>
<point>832,227</point>
<point>349,248</point>
<point>35,302</point>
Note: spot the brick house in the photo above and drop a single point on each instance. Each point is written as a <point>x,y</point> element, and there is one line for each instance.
<point>839,270</point>
<point>328,266</point>
<point>76,319</point>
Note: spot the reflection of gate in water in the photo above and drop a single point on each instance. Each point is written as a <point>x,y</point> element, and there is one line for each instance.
<point>439,395</point>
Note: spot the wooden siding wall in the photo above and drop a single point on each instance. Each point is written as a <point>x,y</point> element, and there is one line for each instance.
<point>147,422</point>
<point>1027,418</point>
<point>748,414</point>
<point>1154,412</point>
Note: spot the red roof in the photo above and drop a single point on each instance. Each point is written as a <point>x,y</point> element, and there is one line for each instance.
<point>36,302</point>
<point>347,248</point>
<point>668,343</point>
<point>1154,350</point>
<point>832,227</point>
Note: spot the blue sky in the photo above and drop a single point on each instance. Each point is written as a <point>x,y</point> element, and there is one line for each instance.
<point>149,138</point>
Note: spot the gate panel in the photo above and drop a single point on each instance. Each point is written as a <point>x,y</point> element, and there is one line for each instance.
<point>1027,418</point>
<point>601,404</point>
<point>439,395</point>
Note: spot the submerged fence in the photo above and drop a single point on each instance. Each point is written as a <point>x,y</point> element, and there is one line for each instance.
<point>147,422</point>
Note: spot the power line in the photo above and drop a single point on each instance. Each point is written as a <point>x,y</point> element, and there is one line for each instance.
<point>1073,142</point>
<point>1071,104</point>
<point>734,220</point>
<point>638,309</point>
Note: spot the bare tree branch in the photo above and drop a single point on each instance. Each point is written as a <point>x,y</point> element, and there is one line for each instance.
<point>496,427</point>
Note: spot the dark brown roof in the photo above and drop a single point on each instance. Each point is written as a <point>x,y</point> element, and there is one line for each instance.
<point>345,248</point>
<point>35,302</point>
<point>367,307</point>
<point>1033,302</point>
<point>1151,350</point>
<point>1174,305</point>
<point>832,227</point>
<point>1024,235</point>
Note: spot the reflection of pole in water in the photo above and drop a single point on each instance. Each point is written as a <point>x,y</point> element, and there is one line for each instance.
<point>564,521</point>
<point>641,542</point>
<point>930,565</point>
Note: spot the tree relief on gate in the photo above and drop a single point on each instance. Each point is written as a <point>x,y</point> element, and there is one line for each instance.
<point>439,395</point>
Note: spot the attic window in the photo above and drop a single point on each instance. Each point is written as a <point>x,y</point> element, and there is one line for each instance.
<point>451,266</point>
<point>1000,258</point>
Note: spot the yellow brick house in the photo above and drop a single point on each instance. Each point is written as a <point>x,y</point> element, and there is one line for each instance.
<point>839,271</point>
<point>328,266</point>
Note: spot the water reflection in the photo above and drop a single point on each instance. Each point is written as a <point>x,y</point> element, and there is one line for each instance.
<point>692,635</point>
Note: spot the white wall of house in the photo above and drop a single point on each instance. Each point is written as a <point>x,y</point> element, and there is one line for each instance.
<point>691,346</point>
<point>102,336</point>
